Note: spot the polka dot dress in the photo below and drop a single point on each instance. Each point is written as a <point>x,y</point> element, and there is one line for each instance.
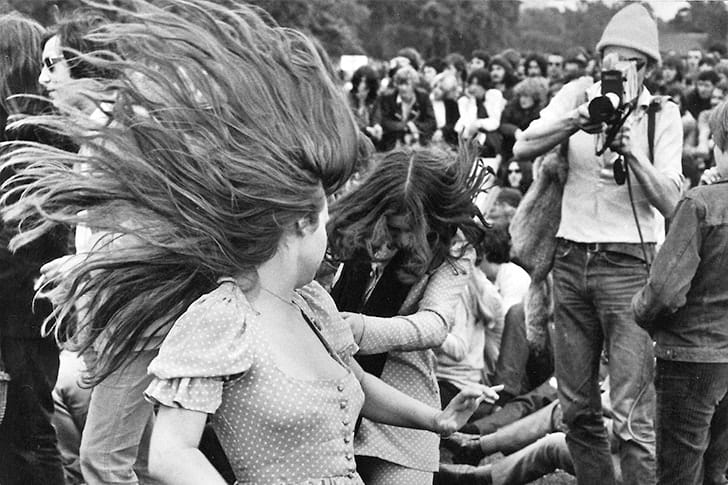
<point>413,372</point>
<point>275,429</point>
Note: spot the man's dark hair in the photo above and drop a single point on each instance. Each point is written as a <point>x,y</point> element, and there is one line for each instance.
<point>413,56</point>
<point>481,75</point>
<point>435,62</point>
<point>456,60</point>
<point>480,54</point>
<point>710,76</point>
<point>496,246</point>
<point>718,47</point>
<point>540,60</point>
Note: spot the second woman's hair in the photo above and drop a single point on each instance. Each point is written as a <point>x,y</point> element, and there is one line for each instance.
<point>430,190</point>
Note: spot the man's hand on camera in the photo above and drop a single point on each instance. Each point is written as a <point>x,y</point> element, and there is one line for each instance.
<point>585,123</point>
<point>622,143</point>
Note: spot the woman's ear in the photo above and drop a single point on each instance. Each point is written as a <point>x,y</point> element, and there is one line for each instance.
<point>304,226</point>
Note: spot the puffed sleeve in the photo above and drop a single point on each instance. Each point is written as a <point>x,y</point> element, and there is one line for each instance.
<point>325,314</point>
<point>208,343</point>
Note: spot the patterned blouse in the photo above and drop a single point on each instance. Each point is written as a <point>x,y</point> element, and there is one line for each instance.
<point>274,428</point>
<point>426,317</point>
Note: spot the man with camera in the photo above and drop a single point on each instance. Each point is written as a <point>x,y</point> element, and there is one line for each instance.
<point>624,168</point>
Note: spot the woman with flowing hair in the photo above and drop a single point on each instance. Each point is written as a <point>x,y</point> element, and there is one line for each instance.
<point>210,177</point>
<point>406,237</point>
<point>28,362</point>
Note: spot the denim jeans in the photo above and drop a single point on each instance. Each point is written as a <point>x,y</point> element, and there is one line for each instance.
<point>115,441</point>
<point>518,369</point>
<point>692,422</point>
<point>592,295</point>
<point>71,401</point>
<point>540,458</point>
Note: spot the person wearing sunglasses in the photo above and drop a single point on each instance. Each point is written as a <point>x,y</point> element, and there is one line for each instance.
<point>63,62</point>
<point>605,242</point>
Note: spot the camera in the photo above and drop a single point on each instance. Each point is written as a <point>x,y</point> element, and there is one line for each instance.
<point>608,107</point>
<point>620,87</point>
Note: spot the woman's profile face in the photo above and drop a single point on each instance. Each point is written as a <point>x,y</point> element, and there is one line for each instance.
<point>514,175</point>
<point>55,74</point>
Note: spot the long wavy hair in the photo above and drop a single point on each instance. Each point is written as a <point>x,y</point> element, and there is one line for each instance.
<point>20,65</point>
<point>432,190</point>
<point>226,129</point>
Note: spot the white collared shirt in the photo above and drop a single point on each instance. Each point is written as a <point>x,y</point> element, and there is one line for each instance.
<point>596,209</point>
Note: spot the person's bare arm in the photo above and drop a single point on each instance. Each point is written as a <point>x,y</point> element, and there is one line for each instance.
<point>174,457</point>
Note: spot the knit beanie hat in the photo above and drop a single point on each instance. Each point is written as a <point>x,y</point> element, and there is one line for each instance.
<point>633,27</point>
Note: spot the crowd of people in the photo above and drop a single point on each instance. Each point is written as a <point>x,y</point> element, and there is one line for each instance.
<point>223,261</point>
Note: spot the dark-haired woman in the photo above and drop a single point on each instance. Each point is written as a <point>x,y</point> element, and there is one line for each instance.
<point>28,362</point>
<point>226,135</point>
<point>363,101</point>
<point>405,236</point>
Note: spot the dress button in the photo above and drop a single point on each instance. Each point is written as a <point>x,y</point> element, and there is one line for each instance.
<point>350,475</point>
<point>347,439</point>
<point>343,403</point>
<point>349,456</point>
<point>340,387</point>
<point>345,421</point>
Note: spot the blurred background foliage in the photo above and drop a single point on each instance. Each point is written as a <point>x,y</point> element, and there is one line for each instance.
<point>379,28</point>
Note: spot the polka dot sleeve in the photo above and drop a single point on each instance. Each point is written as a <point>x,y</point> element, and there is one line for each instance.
<point>207,344</point>
<point>322,308</point>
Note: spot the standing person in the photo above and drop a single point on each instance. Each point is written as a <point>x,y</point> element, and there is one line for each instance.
<point>114,446</point>
<point>405,268</point>
<point>28,451</point>
<point>683,305</point>
<point>444,96</point>
<point>602,253</point>
<point>219,228</point>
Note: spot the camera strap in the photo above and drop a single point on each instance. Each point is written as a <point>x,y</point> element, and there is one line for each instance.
<point>651,116</point>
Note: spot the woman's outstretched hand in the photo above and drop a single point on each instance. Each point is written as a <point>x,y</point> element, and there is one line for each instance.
<point>462,406</point>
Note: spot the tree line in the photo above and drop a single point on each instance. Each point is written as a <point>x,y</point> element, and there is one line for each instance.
<point>379,28</point>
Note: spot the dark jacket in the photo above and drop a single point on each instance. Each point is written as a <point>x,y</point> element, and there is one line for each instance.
<point>394,128</point>
<point>19,316</point>
<point>452,115</point>
<point>694,104</point>
<point>515,118</point>
<point>685,301</point>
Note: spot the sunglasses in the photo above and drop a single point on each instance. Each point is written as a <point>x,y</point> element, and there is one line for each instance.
<point>49,62</point>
